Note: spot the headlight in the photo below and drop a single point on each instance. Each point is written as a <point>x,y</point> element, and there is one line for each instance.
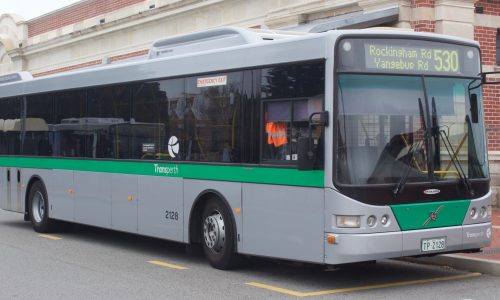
<point>348,221</point>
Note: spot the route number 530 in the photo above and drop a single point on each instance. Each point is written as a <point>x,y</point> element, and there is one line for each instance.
<point>446,60</point>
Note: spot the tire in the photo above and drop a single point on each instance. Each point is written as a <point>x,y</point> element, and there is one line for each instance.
<point>38,209</point>
<point>218,235</point>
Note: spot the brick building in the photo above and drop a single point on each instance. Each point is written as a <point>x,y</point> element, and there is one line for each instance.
<point>91,32</point>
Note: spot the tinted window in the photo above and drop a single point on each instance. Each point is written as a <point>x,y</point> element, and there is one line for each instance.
<point>157,116</point>
<point>250,118</point>
<point>498,49</point>
<point>285,121</point>
<point>290,94</point>
<point>212,118</point>
<point>292,81</point>
<point>37,139</point>
<point>10,108</point>
<point>108,119</point>
<point>10,113</point>
<point>68,129</point>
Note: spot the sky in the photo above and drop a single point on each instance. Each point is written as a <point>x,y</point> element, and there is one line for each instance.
<point>29,9</point>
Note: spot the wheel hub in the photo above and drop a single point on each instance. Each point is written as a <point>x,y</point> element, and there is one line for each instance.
<point>214,232</point>
<point>38,207</point>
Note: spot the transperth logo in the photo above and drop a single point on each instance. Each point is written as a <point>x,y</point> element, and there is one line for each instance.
<point>173,146</point>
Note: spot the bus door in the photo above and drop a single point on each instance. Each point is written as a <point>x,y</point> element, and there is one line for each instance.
<point>5,199</point>
<point>12,175</point>
<point>3,171</point>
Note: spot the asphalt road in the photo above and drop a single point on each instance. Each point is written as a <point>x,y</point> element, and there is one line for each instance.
<point>90,263</point>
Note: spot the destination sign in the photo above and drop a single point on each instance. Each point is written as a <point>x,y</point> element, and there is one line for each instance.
<point>408,56</point>
<point>405,58</point>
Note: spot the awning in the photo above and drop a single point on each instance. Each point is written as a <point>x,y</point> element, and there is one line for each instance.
<point>356,20</point>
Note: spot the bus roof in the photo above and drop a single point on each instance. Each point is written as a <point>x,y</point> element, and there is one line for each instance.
<point>220,49</point>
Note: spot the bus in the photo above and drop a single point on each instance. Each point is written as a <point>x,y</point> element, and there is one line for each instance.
<point>325,148</point>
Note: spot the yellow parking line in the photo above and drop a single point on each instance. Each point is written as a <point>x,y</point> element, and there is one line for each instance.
<point>167,265</point>
<point>496,227</point>
<point>50,237</point>
<point>277,289</point>
<point>360,288</point>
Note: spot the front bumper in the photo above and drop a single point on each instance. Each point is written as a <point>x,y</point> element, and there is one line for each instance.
<point>363,247</point>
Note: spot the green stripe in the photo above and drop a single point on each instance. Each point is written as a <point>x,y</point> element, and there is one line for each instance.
<point>282,176</point>
<point>418,215</point>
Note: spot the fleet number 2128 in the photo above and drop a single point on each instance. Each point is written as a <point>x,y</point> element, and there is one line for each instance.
<point>171,215</point>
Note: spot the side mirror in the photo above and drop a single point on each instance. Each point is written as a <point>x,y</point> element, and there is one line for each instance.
<point>306,156</point>
<point>490,77</point>
<point>473,108</point>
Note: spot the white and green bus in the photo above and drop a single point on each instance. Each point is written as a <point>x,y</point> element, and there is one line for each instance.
<point>328,148</point>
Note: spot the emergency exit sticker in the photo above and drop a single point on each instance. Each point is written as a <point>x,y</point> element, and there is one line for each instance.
<point>211,81</point>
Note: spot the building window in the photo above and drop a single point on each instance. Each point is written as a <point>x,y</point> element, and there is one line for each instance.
<point>498,48</point>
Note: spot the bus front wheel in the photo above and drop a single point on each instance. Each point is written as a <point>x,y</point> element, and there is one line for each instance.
<point>218,231</point>
<point>39,208</point>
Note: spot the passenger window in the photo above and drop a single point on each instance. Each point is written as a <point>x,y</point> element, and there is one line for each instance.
<point>10,111</point>
<point>157,125</point>
<point>212,119</point>
<point>69,137</point>
<point>38,139</point>
<point>285,121</point>
<point>289,94</point>
<point>107,122</point>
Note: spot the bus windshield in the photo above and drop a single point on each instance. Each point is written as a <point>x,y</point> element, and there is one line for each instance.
<point>382,123</point>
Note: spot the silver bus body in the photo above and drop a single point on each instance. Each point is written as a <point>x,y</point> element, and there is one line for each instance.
<point>286,221</point>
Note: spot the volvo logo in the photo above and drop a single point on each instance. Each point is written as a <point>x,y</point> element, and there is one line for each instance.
<point>432,191</point>
<point>433,215</point>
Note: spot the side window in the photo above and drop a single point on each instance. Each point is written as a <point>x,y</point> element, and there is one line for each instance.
<point>37,138</point>
<point>157,120</point>
<point>289,95</point>
<point>212,118</point>
<point>10,114</point>
<point>285,121</point>
<point>69,136</point>
<point>108,122</point>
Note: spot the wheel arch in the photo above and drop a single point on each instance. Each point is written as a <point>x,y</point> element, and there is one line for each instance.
<point>197,210</point>
<point>32,180</point>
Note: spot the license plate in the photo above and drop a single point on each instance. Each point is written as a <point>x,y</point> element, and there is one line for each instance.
<point>433,244</point>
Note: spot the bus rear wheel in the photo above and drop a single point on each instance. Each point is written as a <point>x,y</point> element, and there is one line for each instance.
<point>38,208</point>
<point>218,231</point>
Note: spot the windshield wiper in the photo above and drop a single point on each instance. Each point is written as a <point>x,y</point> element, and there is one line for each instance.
<point>411,153</point>
<point>450,150</point>
<point>402,181</point>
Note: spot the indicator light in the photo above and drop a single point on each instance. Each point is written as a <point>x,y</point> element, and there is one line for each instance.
<point>470,54</point>
<point>347,46</point>
<point>331,239</point>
